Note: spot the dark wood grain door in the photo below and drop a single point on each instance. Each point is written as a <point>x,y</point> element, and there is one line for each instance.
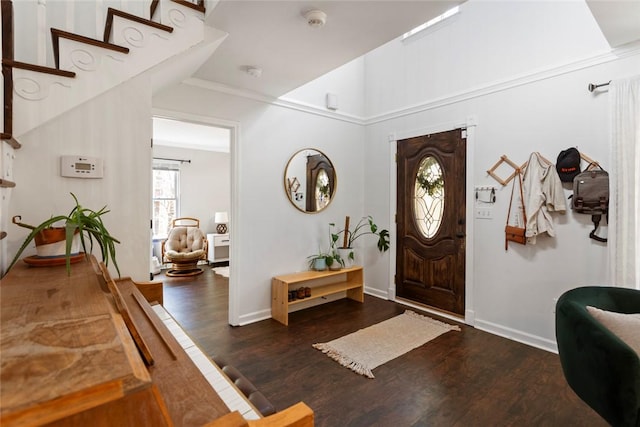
<point>318,166</point>
<point>430,256</point>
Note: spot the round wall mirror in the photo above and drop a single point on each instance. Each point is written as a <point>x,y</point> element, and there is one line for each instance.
<point>310,180</point>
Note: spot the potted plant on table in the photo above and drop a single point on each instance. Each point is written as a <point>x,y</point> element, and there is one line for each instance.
<point>81,223</point>
<point>318,261</point>
<point>331,259</point>
<point>322,261</point>
<point>363,227</point>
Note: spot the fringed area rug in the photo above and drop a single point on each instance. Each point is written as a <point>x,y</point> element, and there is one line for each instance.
<point>368,348</point>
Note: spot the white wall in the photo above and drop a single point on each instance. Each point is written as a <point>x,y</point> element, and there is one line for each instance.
<point>205,183</point>
<point>271,236</point>
<point>115,126</point>
<point>488,41</point>
<point>346,82</point>
<point>510,66</point>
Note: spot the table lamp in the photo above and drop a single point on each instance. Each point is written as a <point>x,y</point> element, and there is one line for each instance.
<point>221,219</point>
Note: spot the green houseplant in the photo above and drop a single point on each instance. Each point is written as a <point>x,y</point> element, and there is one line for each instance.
<point>364,227</point>
<point>331,259</point>
<point>322,260</point>
<point>318,261</point>
<point>86,223</point>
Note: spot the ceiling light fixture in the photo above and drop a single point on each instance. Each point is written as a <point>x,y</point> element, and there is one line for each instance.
<point>315,18</point>
<point>254,71</point>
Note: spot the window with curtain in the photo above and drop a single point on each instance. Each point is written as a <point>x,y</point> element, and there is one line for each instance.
<point>166,197</point>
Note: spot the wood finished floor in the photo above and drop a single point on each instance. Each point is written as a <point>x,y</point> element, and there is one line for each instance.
<point>467,378</point>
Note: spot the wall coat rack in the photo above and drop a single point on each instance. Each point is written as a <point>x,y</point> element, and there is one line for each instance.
<point>520,169</point>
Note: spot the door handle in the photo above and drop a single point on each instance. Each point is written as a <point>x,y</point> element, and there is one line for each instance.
<point>460,234</point>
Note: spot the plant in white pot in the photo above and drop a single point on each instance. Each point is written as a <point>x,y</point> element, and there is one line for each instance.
<point>364,227</point>
<point>335,261</point>
<point>81,224</point>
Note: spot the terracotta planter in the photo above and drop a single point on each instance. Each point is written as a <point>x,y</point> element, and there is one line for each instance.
<point>51,242</point>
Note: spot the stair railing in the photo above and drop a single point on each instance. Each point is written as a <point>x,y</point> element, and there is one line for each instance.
<point>7,74</point>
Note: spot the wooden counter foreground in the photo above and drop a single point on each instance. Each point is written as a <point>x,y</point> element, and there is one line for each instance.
<point>64,349</point>
<point>68,358</point>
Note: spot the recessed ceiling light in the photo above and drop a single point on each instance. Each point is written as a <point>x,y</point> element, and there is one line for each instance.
<point>315,18</point>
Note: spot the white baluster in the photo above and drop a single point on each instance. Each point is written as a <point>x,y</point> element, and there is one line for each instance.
<point>41,43</point>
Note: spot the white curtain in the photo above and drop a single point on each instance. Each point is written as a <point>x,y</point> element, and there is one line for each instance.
<point>624,231</point>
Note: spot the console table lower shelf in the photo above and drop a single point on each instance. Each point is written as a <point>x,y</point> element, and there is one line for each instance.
<point>321,283</point>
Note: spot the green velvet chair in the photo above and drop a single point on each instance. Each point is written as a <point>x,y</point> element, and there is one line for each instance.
<point>601,368</point>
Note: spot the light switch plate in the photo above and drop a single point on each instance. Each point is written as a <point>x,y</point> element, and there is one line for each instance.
<point>484,213</point>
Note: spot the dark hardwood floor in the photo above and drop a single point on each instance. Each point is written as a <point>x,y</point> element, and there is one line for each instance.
<point>467,378</point>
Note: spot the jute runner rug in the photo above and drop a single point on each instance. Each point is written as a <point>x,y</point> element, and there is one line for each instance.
<point>368,348</point>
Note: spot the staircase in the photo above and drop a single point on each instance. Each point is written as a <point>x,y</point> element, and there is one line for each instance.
<point>59,69</point>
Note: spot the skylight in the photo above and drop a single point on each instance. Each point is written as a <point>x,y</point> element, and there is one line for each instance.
<point>448,14</point>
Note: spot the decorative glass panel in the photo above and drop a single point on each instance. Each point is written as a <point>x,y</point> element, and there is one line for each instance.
<point>429,197</point>
<point>322,190</point>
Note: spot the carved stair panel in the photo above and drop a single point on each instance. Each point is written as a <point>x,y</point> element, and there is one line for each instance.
<point>132,46</point>
<point>187,26</point>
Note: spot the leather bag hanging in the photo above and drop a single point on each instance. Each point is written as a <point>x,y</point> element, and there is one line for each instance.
<point>512,233</point>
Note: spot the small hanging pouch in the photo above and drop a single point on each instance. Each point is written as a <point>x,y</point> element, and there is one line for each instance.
<point>512,233</point>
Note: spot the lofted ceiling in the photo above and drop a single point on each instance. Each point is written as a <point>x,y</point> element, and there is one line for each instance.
<point>274,36</point>
<point>619,20</point>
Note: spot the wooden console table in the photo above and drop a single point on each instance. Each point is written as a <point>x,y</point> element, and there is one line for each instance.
<point>322,283</point>
<point>69,358</point>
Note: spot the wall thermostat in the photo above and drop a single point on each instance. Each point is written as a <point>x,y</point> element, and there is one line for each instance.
<point>81,167</point>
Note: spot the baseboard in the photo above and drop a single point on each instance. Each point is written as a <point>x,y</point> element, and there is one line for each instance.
<point>470,317</point>
<point>519,336</point>
<point>376,293</point>
<point>256,316</point>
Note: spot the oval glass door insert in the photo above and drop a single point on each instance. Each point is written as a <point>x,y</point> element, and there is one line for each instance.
<point>429,197</point>
<point>323,196</point>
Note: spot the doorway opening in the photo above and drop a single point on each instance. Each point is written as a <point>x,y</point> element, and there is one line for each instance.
<point>200,152</point>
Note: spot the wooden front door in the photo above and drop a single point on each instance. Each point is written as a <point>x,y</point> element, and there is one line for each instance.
<point>320,176</point>
<point>430,256</point>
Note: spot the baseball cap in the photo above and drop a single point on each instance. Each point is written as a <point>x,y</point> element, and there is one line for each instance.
<point>568,164</point>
